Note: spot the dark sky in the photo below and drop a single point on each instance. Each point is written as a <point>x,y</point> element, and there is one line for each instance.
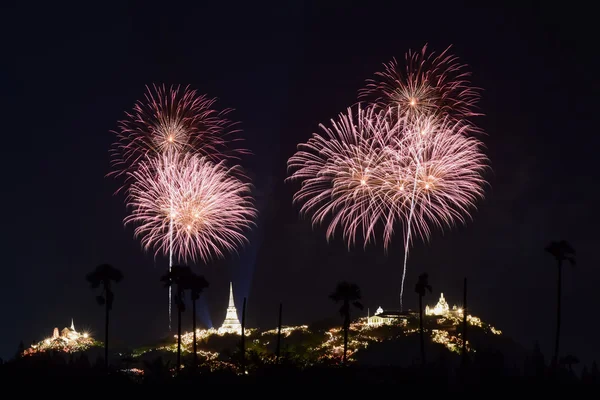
<point>68,73</point>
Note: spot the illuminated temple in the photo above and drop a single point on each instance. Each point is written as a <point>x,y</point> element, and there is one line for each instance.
<point>382,317</point>
<point>68,333</point>
<point>442,308</point>
<point>67,340</point>
<point>231,324</point>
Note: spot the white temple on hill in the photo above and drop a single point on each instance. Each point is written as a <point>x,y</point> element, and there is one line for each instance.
<point>382,317</point>
<point>442,308</point>
<point>68,333</point>
<point>231,324</point>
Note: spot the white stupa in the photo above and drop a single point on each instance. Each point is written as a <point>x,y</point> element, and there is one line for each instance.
<point>231,324</point>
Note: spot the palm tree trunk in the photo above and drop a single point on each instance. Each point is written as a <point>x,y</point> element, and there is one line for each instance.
<point>464,321</point>
<point>421,335</point>
<point>346,327</point>
<point>277,352</point>
<point>195,347</point>
<point>178,330</point>
<point>243,346</point>
<point>558,307</point>
<point>106,312</point>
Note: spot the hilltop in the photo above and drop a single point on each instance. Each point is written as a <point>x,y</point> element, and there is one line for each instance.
<point>384,339</point>
<point>387,338</point>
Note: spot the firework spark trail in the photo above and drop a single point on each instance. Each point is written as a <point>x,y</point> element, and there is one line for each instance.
<point>367,170</point>
<point>372,169</point>
<point>341,174</point>
<point>447,170</point>
<point>449,175</point>
<point>408,229</point>
<point>173,119</point>
<point>414,130</point>
<point>188,205</point>
<point>170,259</point>
<point>427,85</point>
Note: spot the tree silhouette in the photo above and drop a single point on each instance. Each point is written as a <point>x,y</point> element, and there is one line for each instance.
<point>421,289</point>
<point>178,276</point>
<point>196,284</point>
<point>585,375</point>
<point>561,251</point>
<point>278,348</point>
<point>105,275</point>
<point>157,371</point>
<point>20,350</point>
<point>347,293</point>
<point>538,363</point>
<point>595,373</point>
<point>243,341</point>
<point>569,360</point>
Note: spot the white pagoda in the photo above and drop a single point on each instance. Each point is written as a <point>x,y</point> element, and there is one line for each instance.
<point>231,324</point>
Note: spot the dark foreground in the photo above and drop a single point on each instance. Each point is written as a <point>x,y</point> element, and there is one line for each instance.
<point>56,369</point>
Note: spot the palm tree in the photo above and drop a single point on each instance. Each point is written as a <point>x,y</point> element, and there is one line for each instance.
<point>421,289</point>
<point>569,360</point>
<point>561,251</point>
<point>104,275</point>
<point>347,293</point>
<point>178,276</point>
<point>157,371</point>
<point>196,284</point>
<point>278,349</point>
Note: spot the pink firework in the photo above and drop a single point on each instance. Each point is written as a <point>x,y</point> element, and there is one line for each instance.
<point>187,205</point>
<point>427,85</point>
<point>340,174</point>
<point>369,172</point>
<point>437,171</point>
<point>372,171</point>
<point>434,177</point>
<point>175,119</point>
<point>409,159</point>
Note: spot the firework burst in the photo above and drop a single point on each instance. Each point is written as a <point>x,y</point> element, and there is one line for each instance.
<point>428,85</point>
<point>190,206</point>
<point>372,171</point>
<point>341,175</point>
<point>435,170</point>
<point>173,119</point>
<point>368,171</point>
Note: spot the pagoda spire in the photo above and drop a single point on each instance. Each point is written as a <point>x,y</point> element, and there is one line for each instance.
<point>231,301</point>
<point>231,324</point>
<point>72,325</point>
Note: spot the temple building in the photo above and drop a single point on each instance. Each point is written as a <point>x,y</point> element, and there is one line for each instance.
<point>231,324</point>
<point>68,333</point>
<point>386,318</point>
<point>67,340</point>
<point>442,308</point>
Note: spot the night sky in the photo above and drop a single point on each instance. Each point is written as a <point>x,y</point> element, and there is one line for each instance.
<point>69,73</point>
